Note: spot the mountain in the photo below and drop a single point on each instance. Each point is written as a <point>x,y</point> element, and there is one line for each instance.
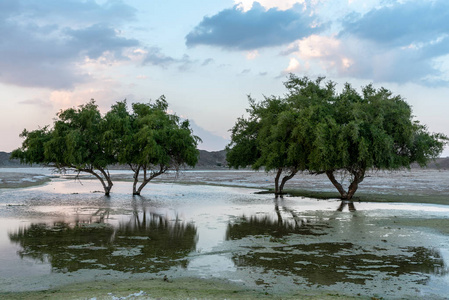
<point>211,160</point>
<point>441,163</point>
<point>214,160</point>
<point>5,162</point>
<point>207,160</point>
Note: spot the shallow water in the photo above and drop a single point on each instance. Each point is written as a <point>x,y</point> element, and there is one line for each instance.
<point>65,232</point>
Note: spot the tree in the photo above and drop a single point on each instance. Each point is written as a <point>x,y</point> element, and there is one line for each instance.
<point>262,140</point>
<point>75,142</point>
<point>150,140</point>
<point>353,133</point>
<point>314,128</point>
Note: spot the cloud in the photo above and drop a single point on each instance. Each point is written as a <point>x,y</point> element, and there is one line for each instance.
<point>38,102</point>
<point>74,11</point>
<point>402,40</point>
<point>207,61</point>
<point>155,57</point>
<point>252,55</point>
<point>256,28</point>
<point>185,63</point>
<point>401,24</point>
<point>246,5</point>
<point>348,58</point>
<point>44,43</point>
<point>97,39</point>
<point>329,52</point>
<point>397,42</point>
<point>293,66</point>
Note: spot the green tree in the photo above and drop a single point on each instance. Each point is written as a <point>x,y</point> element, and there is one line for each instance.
<point>75,142</point>
<point>314,128</point>
<point>353,133</point>
<point>263,139</point>
<point>150,140</point>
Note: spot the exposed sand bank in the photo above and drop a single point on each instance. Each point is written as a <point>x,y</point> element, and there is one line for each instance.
<point>21,180</point>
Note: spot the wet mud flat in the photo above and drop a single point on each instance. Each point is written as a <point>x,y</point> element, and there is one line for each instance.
<point>21,180</point>
<point>409,186</point>
<point>63,240</point>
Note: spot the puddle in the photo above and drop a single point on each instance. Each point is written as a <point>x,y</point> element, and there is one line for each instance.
<point>63,232</point>
<point>144,242</point>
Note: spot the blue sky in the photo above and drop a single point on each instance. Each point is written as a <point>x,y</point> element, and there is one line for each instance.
<point>207,56</point>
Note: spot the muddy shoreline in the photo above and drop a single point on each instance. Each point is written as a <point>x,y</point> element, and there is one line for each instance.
<point>405,186</point>
<point>368,238</point>
<point>10,180</point>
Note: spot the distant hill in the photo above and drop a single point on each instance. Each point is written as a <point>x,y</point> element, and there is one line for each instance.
<point>207,160</point>
<point>440,163</point>
<point>5,162</point>
<point>214,160</point>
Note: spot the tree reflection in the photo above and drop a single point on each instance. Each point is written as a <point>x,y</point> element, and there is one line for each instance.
<point>285,221</point>
<point>147,242</point>
<point>332,263</point>
<point>345,203</point>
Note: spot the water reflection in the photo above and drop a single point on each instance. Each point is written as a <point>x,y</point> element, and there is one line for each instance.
<point>345,203</point>
<point>331,263</point>
<point>285,221</point>
<point>327,263</point>
<point>146,242</point>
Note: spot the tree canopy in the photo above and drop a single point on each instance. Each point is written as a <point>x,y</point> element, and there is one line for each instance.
<point>314,128</point>
<point>263,139</point>
<point>149,140</point>
<point>75,142</point>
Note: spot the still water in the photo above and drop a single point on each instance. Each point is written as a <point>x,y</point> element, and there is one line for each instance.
<point>65,232</point>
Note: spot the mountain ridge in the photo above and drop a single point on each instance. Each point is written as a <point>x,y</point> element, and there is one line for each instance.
<point>215,160</point>
<point>206,160</point>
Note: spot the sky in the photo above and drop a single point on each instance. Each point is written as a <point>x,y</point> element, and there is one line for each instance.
<point>206,57</point>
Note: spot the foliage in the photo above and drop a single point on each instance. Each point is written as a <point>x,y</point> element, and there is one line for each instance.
<point>371,130</point>
<point>316,129</point>
<point>262,140</point>
<point>150,140</point>
<point>75,142</point>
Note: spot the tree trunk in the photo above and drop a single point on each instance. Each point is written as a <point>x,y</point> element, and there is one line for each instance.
<point>141,186</point>
<point>276,182</point>
<point>146,180</point>
<point>136,179</point>
<point>341,190</point>
<point>285,179</point>
<point>358,174</point>
<point>107,187</point>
